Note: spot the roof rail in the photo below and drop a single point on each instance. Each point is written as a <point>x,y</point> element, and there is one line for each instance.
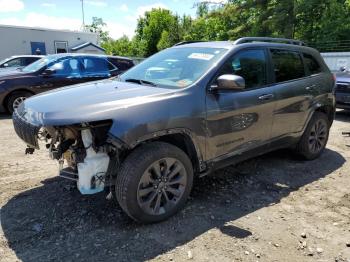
<point>268,39</point>
<point>188,42</point>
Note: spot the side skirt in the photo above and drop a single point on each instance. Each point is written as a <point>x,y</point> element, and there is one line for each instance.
<point>215,164</point>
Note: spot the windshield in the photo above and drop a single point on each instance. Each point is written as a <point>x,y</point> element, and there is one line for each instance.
<point>4,61</point>
<point>39,64</point>
<point>174,67</point>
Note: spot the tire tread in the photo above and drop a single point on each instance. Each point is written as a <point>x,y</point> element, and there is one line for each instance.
<point>302,147</point>
<point>129,167</point>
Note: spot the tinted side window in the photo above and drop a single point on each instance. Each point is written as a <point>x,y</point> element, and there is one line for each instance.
<point>29,60</point>
<point>111,67</point>
<point>249,64</point>
<point>312,65</point>
<point>122,64</point>
<point>14,62</point>
<point>94,66</point>
<point>287,65</point>
<point>69,67</point>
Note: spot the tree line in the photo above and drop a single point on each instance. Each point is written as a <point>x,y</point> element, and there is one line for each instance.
<point>312,21</point>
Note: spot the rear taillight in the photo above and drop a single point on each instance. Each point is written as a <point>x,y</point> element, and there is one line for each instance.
<point>334,77</point>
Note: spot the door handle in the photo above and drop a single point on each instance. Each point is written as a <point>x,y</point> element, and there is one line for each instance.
<point>310,88</point>
<point>266,97</point>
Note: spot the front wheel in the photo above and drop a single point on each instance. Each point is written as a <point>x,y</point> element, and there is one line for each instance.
<point>15,99</point>
<point>315,137</point>
<point>154,182</point>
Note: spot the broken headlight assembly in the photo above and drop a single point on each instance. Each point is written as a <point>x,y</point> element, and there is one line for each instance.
<point>82,152</point>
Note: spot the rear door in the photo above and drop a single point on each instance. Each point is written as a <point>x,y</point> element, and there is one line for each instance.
<point>241,120</point>
<point>95,68</point>
<point>295,92</point>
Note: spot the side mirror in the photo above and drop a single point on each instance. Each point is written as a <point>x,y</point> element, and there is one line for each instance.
<point>48,72</point>
<point>6,65</point>
<point>229,82</point>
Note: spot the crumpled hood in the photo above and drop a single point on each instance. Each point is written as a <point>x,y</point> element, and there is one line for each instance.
<point>94,101</point>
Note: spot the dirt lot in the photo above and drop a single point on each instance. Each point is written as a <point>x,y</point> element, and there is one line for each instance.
<point>272,208</point>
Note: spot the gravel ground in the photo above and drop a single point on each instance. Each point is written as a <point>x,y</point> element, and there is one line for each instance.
<point>271,208</point>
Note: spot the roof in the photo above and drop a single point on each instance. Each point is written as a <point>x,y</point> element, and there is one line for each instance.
<point>78,47</point>
<point>246,41</point>
<point>212,44</point>
<point>17,56</point>
<point>47,29</point>
<point>84,54</point>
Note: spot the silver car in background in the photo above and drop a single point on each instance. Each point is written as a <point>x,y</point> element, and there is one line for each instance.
<point>20,61</point>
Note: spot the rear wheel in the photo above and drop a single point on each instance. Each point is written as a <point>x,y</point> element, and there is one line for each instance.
<point>315,137</point>
<point>15,99</point>
<point>154,182</point>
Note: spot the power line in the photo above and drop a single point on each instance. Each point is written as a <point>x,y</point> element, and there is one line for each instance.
<point>83,13</point>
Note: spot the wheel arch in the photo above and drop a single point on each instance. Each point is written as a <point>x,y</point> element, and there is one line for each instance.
<point>328,111</point>
<point>181,138</point>
<point>6,98</point>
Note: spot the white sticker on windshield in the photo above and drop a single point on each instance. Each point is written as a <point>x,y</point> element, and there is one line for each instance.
<point>201,56</point>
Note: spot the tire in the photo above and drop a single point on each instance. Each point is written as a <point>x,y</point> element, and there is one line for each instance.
<point>312,143</point>
<point>139,187</point>
<point>15,98</point>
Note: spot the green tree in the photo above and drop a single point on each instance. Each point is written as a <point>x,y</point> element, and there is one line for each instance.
<point>97,26</point>
<point>150,30</point>
<point>122,47</point>
<point>164,41</point>
<point>313,21</point>
<point>202,9</point>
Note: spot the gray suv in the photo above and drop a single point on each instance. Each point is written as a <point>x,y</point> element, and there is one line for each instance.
<point>180,114</point>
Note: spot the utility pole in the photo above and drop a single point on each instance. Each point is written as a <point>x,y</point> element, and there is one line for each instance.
<point>82,11</point>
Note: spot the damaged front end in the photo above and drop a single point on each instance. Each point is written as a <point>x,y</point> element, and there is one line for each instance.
<point>82,150</point>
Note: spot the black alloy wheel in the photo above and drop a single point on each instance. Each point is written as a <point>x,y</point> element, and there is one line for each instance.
<point>161,186</point>
<point>154,182</point>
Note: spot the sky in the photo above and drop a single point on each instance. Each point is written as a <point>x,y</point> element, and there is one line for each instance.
<point>120,16</point>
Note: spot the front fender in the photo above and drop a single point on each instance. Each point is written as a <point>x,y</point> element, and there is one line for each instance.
<point>195,142</point>
<point>180,114</point>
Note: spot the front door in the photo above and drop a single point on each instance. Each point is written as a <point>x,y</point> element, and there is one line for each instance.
<point>66,71</point>
<point>241,120</point>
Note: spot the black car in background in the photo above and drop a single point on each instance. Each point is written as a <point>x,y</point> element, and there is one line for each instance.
<point>19,61</point>
<point>55,71</point>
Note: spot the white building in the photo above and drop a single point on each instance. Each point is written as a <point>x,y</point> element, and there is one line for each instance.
<point>18,40</point>
<point>336,60</point>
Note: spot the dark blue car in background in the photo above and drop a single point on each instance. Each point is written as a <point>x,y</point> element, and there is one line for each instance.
<point>55,71</point>
<point>342,91</point>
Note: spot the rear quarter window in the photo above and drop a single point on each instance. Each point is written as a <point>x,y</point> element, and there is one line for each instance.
<point>121,64</point>
<point>288,65</point>
<point>312,66</point>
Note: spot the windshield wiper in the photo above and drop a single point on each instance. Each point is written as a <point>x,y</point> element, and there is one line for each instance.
<point>140,81</point>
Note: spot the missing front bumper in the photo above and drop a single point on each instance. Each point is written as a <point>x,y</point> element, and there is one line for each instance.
<point>25,130</point>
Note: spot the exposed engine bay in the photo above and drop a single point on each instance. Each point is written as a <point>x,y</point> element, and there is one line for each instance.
<point>82,153</point>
